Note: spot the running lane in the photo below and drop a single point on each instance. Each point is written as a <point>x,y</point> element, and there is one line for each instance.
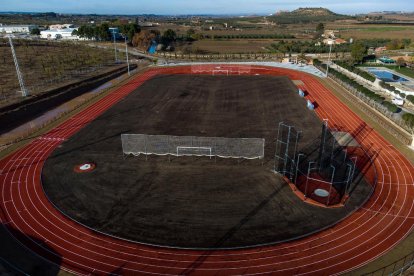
<point>366,234</point>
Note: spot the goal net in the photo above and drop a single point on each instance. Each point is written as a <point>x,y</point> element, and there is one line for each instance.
<point>241,70</point>
<point>198,151</point>
<point>221,69</point>
<point>249,148</point>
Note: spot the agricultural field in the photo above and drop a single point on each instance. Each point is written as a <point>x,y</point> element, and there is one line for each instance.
<point>228,46</point>
<point>47,65</point>
<point>255,38</point>
<point>374,31</point>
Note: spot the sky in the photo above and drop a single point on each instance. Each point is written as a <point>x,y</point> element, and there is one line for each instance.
<point>173,7</point>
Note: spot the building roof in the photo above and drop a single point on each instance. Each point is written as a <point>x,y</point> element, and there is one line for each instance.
<point>67,30</point>
<point>340,41</point>
<point>18,26</point>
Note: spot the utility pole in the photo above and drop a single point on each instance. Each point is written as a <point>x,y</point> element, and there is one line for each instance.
<point>126,51</point>
<point>19,74</point>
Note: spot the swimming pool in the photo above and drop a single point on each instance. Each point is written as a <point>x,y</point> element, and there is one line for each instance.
<point>152,49</point>
<point>386,76</point>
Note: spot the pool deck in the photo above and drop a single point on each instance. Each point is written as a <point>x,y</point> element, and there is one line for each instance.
<point>410,80</point>
<point>406,86</point>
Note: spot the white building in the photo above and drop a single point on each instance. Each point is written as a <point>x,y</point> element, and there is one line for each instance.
<point>17,28</point>
<point>61,26</point>
<point>59,34</point>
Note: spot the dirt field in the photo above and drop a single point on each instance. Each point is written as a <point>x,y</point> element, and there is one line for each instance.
<point>191,201</point>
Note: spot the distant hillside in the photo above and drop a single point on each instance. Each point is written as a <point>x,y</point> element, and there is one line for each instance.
<point>307,15</point>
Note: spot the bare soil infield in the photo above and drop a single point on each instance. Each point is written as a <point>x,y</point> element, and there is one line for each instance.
<point>191,202</point>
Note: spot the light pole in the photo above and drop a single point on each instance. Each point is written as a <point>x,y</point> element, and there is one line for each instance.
<point>18,72</point>
<point>126,51</point>
<point>113,34</point>
<point>329,57</point>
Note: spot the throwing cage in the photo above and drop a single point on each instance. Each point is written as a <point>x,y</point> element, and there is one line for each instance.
<point>322,171</point>
<point>248,148</point>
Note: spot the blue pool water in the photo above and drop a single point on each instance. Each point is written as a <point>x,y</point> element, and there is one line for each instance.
<point>152,48</point>
<point>386,75</point>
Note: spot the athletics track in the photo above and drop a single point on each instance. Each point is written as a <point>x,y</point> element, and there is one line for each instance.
<point>369,232</point>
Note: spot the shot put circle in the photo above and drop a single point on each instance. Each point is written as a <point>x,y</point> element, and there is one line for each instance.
<point>321,192</point>
<point>84,167</point>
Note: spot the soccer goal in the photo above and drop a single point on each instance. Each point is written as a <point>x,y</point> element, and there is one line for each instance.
<point>241,70</point>
<point>248,148</point>
<point>220,72</point>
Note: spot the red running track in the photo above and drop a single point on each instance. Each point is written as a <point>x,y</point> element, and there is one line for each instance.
<point>363,236</point>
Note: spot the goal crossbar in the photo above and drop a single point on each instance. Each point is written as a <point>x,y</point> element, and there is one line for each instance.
<point>249,148</point>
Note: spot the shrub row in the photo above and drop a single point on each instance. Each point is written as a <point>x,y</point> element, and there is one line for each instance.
<point>368,93</point>
<point>390,106</point>
<point>409,119</point>
<point>410,98</point>
<point>391,88</point>
<point>356,70</point>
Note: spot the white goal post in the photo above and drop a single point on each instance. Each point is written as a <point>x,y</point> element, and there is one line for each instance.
<point>249,148</point>
<point>220,72</point>
<point>221,69</point>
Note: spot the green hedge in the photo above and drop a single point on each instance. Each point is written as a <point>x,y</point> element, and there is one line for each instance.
<point>388,86</point>
<point>356,70</point>
<point>390,106</point>
<point>410,98</point>
<point>409,119</point>
<point>368,93</point>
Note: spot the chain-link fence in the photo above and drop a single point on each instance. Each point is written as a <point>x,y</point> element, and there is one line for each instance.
<point>327,169</point>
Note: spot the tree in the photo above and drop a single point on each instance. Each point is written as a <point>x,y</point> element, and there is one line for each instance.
<point>400,62</point>
<point>102,32</point>
<point>409,119</point>
<point>143,39</point>
<point>358,51</point>
<point>395,44</point>
<point>410,98</point>
<point>320,28</point>
<point>86,31</point>
<point>190,34</point>
<point>129,30</point>
<point>168,37</point>
<point>35,31</point>
<point>406,42</point>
